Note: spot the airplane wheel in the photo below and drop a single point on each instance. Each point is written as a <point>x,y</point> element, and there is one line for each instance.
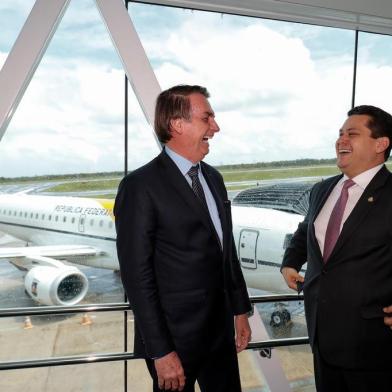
<point>265,353</point>
<point>280,318</point>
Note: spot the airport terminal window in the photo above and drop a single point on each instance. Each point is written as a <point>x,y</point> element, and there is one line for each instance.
<point>268,80</point>
<point>374,74</point>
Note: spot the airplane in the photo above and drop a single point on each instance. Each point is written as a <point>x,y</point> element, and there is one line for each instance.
<point>62,232</point>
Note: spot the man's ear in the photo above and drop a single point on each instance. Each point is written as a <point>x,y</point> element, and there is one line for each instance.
<point>382,143</point>
<point>176,125</point>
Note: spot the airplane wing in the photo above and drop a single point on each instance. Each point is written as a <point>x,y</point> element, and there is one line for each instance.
<point>49,280</point>
<point>33,252</point>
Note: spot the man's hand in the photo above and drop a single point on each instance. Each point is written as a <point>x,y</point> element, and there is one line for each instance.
<point>291,276</point>
<point>242,331</point>
<point>388,319</point>
<point>170,372</point>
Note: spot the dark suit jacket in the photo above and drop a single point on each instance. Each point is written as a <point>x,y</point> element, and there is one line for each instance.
<point>344,297</point>
<point>183,289</point>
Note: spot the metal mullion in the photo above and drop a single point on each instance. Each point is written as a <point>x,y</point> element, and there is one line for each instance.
<point>355,69</point>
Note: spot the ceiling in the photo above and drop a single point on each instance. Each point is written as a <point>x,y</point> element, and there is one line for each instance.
<point>372,16</point>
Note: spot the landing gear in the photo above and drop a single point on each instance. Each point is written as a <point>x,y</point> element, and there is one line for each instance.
<point>265,353</point>
<point>280,317</point>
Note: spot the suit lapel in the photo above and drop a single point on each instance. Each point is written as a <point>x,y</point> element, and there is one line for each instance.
<point>220,203</point>
<point>176,179</point>
<point>364,205</point>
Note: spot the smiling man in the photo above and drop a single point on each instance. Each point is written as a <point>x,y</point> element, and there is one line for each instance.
<point>346,239</point>
<point>177,258</point>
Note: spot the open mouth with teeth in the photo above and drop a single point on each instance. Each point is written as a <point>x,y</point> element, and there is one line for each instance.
<point>344,151</point>
<point>206,139</point>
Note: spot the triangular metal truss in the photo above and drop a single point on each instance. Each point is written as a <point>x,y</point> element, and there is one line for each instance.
<point>35,36</point>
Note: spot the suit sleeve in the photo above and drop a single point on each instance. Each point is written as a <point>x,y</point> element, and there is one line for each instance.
<point>135,226</point>
<point>296,255</point>
<point>238,292</point>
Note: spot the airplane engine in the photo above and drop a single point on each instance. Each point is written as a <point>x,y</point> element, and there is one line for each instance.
<point>65,285</point>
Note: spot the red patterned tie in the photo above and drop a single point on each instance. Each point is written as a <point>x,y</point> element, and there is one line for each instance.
<point>335,220</point>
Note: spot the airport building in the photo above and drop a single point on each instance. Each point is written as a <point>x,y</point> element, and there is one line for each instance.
<point>78,83</point>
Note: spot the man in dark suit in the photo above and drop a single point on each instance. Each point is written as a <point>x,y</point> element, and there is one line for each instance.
<point>177,258</point>
<point>346,240</point>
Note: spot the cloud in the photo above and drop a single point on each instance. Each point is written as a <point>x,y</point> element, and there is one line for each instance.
<point>276,95</point>
<point>273,100</point>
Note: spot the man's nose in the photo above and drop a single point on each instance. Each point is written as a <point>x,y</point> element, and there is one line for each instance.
<point>343,138</point>
<point>214,125</point>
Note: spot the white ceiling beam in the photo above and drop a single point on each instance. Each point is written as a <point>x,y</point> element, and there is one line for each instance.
<point>26,54</point>
<point>131,52</point>
<point>322,13</point>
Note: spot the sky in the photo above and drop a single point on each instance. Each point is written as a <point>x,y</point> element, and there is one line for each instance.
<point>280,90</point>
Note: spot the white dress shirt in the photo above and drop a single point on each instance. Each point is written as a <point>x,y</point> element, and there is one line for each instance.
<point>354,193</point>
<point>184,165</point>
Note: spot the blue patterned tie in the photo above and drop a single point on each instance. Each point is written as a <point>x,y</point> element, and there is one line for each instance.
<point>193,173</point>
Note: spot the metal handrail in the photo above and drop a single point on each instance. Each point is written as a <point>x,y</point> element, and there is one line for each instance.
<point>50,310</point>
<point>124,356</point>
<point>118,306</point>
<point>111,357</point>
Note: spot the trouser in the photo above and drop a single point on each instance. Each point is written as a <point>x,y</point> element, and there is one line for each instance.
<point>335,379</point>
<point>216,372</point>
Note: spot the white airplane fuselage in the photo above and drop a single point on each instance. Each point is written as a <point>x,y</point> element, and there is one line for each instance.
<point>56,220</point>
<point>260,237</point>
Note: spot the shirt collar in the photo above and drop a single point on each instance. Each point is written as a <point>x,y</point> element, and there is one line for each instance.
<point>363,179</point>
<point>182,163</point>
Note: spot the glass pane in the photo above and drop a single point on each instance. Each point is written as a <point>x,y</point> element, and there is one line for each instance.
<point>280,92</point>
<point>280,369</point>
<point>98,377</point>
<point>272,83</point>
<point>12,17</point>
<point>39,337</point>
<point>142,143</point>
<point>374,74</point>
<point>64,148</point>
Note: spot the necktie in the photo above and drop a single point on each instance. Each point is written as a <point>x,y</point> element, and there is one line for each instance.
<point>196,185</point>
<point>335,220</point>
